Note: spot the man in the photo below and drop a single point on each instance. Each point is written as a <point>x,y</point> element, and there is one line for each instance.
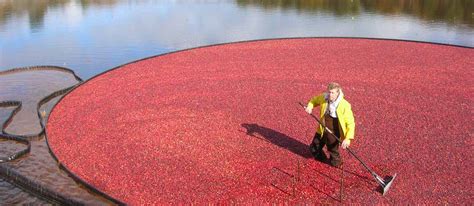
<point>336,114</point>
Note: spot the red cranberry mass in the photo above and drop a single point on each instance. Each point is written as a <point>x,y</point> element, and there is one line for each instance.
<point>222,124</point>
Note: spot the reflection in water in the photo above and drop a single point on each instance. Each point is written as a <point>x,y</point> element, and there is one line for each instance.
<point>97,3</point>
<point>37,9</point>
<point>337,7</point>
<point>448,11</point>
<point>29,87</point>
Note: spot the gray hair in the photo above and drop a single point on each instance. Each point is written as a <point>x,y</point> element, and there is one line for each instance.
<point>334,85</point>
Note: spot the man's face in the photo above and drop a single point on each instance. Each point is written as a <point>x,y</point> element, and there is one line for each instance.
<point>333,93</point>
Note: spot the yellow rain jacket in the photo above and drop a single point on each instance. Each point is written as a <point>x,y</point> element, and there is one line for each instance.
<point>344,115</point>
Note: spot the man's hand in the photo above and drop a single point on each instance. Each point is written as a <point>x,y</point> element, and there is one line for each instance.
<point>309,110</point>
<point>345,144</point>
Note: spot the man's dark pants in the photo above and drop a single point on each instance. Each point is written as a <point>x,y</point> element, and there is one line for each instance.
<point>331,143</point>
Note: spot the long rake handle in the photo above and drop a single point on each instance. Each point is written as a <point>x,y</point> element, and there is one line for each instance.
<point>377,177</point>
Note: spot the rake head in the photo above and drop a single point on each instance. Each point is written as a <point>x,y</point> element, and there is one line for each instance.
<point>386,183</point>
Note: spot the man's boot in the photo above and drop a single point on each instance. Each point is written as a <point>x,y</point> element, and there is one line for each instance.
<point>318,153</point>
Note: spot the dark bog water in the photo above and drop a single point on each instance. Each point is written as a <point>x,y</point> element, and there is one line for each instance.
<point>92,36</point>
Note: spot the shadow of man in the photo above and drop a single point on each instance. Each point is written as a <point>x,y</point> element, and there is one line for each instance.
<point>279,139</point>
